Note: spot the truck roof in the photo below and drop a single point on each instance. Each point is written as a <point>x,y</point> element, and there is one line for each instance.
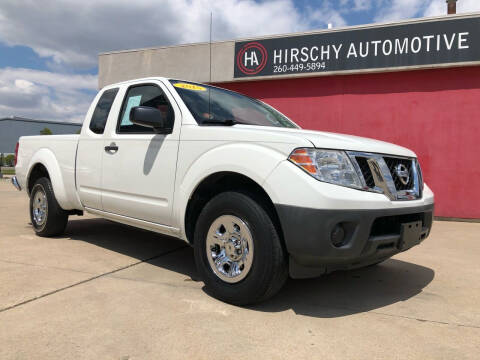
<point>139,79</point>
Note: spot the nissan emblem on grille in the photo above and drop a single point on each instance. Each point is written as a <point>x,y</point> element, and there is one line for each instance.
<point>402,173</point>
<point>400,177</point>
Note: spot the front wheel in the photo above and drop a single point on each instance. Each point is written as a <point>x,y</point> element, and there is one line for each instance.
<point>238,251</point>
<point>48,218</point>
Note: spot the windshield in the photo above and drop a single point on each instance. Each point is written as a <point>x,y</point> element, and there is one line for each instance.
<point>210,105</point>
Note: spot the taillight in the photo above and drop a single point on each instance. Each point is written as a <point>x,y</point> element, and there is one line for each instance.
<point>16,154</point>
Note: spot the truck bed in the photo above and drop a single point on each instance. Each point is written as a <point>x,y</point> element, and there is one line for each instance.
<point>59,151</point>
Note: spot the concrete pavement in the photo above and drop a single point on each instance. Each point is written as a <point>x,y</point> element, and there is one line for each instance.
<point>107,291</point>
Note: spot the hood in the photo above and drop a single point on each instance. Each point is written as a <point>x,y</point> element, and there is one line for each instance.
<point>327,140</point>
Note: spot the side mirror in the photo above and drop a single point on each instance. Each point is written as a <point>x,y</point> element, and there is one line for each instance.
<point>150,117</point>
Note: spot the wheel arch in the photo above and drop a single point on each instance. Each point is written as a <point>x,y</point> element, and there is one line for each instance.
<point>44,163</point>
<point>223,181</point>
<point>37,171</point>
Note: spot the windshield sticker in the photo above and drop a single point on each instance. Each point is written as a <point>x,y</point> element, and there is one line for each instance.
<point>132,102</point>
<point>190,87</point>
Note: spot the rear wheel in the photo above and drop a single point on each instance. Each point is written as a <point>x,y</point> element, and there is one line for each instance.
<point>238,250</point>
<point>48,218</point>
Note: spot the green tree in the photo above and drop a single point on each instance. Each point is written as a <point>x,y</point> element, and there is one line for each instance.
<point>46,131</point>
<point>1,159</point>
<point>9,159</point>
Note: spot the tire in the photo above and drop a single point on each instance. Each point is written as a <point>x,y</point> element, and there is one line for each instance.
<point>265,267</point>
<point>54,219</point>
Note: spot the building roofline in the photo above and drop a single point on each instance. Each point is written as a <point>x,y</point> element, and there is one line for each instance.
<point>15,118</point>
<point>320,31</point>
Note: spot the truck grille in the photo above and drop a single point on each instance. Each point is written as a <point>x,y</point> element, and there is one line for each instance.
<point>367,174</point>
<point>392,164</point>
<point>399,178</point>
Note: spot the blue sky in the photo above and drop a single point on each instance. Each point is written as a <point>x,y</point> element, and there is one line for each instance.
<point>49,48</point>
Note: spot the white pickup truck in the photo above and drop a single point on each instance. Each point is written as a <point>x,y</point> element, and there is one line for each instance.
<point>257,197</point>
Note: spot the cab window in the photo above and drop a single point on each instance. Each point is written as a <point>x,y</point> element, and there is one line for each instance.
<point>100,114</point>
<point>143,95</point>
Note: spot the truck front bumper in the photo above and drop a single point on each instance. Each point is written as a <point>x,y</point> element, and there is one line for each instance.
<point>321,241</point>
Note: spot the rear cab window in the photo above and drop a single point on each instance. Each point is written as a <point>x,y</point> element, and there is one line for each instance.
<point>100,114</point>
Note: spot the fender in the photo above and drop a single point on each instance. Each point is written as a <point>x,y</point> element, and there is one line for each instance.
<point>251,160</point>
<point>47,158</point>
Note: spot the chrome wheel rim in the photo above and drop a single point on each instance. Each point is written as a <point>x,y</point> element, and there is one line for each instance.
<point>229,248</point>
<point>39,207</point>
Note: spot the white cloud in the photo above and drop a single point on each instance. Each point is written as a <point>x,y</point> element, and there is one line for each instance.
<point>436,8</point>
<point>362,5</point>
<point>393,10</point>
<point>26,85</point>
<point>347,6</point>
<point>45,95</point>
<point>69,34</point>
<point>439,7</point>
<point>325,14</point>
<point>73,32</point>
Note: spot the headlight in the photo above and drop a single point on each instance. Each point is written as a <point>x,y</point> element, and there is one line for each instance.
<point>330,166</point>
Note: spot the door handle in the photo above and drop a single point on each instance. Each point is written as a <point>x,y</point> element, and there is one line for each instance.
<point>111,148</point>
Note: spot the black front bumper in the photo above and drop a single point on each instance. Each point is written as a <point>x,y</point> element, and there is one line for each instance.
<point>370,236</point>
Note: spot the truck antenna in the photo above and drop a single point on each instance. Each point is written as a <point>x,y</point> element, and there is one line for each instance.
<point>210,65</point>
<point>210,47</point>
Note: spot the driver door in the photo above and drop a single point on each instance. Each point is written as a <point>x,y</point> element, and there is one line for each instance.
<point>138,165</point>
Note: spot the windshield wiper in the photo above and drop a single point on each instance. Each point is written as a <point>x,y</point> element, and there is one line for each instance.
<point>226,122</point>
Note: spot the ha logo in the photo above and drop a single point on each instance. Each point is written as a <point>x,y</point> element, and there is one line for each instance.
<point>252,58</point>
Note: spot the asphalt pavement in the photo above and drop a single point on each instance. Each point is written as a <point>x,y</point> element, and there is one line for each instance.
<point>108,291</point>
